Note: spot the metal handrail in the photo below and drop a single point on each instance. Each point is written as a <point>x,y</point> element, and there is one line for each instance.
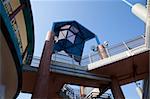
<point>116,49</point>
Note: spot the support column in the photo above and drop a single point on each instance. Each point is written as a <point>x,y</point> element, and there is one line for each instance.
<point>82,92</point>
<point>42,83</point>
<point>102,51</point>
<point>116,89</point>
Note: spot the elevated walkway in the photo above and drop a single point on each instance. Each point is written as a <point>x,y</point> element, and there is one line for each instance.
<point>129,63</point>
<point>61,75</point>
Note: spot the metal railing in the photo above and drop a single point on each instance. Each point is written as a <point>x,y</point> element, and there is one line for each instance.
<point>94,56</point>
<point>127,45</point>
<point>116,49</point>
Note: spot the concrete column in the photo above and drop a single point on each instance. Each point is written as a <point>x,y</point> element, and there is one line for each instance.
<point>102,51</point>
<point>103,54</point>
<point>42,83</point>
<point>116,89</point>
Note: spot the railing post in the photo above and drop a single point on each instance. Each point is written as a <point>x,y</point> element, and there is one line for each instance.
<point>90,58</point>
<point>72,59</point>
<point>126,46</point>
<point>107,51</point>
<point>130,53</point>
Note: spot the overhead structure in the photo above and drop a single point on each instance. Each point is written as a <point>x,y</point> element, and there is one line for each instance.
<point>70,36</point>
<point>17,44</point>
<point>138,10</point>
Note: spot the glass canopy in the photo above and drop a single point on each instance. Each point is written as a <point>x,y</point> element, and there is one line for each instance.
<point>70,36</point>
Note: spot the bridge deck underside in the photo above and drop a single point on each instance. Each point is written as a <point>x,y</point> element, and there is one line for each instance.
<point>127,70</point>
<point>56,82</point>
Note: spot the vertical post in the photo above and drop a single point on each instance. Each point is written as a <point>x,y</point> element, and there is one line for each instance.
<point>116,89</point>
<point>147,43</point>
<point>102,51</point>
<point>82,92</point>
<point>147,35</point>
<point>146,88</point>
<point>72,59</point>
<point>107,51</point>
<point>90,58</point>
<point>126,46</point>
<point>41,87</point>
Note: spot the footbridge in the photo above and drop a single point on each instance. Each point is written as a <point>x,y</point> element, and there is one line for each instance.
<point>126,62</point>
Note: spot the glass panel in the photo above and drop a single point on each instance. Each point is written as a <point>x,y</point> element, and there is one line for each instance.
<point>69,34</point>
<point>61,35</point>
<point>71,38</point>
<point>65,27</point>
<point>64,33</point>
<point>75,30</point>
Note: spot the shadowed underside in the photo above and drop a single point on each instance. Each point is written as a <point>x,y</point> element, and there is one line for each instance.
<point>127,70</point>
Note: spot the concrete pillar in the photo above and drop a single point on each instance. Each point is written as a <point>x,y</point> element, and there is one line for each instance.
<point>103,54</point>
<point>102,51</point>
<point>116,89</point>
<point>42,83</point>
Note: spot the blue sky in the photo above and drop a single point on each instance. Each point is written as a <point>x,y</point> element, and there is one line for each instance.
<point>110,20</point>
